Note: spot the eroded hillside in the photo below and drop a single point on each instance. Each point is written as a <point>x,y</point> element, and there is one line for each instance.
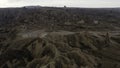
<point>49,37</point>
<point>63,50</point>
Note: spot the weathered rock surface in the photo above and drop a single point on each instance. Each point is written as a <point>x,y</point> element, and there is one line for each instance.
<point>62,50</point>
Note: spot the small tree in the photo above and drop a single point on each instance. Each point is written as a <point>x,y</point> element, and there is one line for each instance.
<point>65,6</point>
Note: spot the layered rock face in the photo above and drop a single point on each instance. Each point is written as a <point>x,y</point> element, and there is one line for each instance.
<point>63,50</point>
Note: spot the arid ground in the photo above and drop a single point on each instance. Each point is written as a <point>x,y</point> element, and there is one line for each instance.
<point>52,37</point>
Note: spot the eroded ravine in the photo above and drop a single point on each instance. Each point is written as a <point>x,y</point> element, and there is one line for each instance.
<point>63,50</point>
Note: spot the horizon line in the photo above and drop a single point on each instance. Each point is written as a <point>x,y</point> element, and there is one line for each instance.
<point>54,6</point>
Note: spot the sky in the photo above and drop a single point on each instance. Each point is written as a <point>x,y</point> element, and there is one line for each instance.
<point>61,3</point>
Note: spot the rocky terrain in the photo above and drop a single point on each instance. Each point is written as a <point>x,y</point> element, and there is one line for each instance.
<point>51,37</point>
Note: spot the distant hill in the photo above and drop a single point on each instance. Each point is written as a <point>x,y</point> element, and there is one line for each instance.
<point>32,6</point>
<point>108,18</point>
